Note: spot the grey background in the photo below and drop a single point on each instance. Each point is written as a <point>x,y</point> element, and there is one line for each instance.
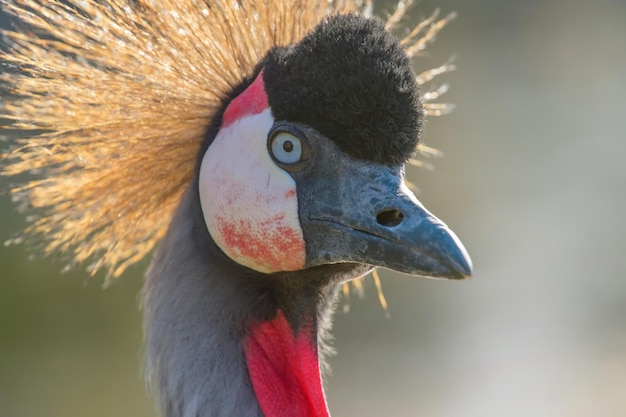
<point>534,183</point>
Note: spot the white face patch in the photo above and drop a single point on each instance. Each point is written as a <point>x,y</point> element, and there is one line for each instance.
<point>250,204</point>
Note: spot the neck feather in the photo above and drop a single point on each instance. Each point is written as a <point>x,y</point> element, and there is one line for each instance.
<point>194,330</point>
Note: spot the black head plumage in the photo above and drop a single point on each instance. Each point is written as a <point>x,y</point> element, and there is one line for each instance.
<point>351,80</point>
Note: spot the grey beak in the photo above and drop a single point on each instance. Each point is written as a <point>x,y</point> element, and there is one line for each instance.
<point>369,216</point>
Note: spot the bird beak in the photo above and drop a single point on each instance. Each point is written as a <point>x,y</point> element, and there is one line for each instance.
<point>368,215</point>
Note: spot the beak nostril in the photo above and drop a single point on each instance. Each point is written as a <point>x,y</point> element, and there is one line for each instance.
<point>389,218</point>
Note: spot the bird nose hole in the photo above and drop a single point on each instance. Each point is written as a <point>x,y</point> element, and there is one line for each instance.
<point>389,218</point>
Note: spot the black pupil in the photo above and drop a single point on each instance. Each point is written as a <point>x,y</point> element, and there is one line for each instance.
<point>287,146</point>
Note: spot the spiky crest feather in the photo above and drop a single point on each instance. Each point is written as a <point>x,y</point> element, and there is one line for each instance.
<point>112,100</point>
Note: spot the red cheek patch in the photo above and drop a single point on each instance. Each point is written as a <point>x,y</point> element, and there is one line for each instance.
<point>271,242</point>
<point>252,101</point>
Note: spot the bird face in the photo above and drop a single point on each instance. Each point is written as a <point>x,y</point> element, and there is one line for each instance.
<point>279,195</point>
<point>307,167</point>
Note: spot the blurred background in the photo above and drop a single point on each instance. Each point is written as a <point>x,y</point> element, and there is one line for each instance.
<point>534,183</point>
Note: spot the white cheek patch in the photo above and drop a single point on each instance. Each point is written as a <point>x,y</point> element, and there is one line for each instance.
<point>249,204</point>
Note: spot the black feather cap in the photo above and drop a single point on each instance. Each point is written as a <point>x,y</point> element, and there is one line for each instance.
<point>352,81</point>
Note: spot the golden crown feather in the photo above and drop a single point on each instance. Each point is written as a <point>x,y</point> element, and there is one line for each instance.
<point>111,101</point>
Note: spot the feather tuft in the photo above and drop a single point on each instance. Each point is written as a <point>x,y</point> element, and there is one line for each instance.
<point>110,102</point>
<point>113,99</point>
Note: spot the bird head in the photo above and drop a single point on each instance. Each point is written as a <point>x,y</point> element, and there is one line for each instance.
<point>306,167</point>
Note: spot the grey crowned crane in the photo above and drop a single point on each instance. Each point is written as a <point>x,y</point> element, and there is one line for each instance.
<point>260,144</point>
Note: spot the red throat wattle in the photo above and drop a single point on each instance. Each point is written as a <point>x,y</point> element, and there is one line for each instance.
<point>284,369</point>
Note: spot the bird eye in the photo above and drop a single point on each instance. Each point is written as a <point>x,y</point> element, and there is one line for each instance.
<point>286,148</point>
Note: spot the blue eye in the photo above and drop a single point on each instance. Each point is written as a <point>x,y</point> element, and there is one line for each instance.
<point>286,148</point>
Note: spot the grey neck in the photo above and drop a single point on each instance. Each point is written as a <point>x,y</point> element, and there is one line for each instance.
<point>193,331</point>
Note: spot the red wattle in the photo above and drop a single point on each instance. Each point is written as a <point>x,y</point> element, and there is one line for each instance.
<point>252,101</point>
<point>284,369</point>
